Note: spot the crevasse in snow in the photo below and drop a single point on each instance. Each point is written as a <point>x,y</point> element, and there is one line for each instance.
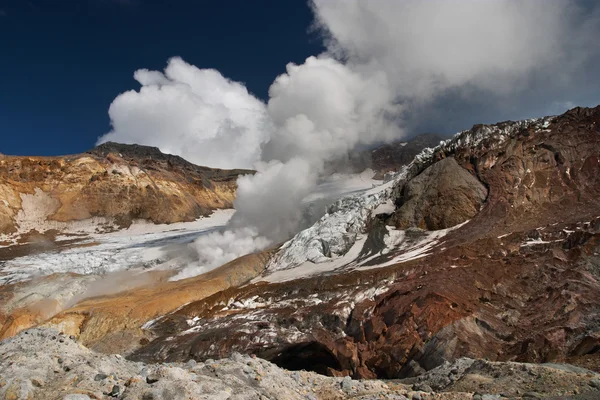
<point>335,233</point>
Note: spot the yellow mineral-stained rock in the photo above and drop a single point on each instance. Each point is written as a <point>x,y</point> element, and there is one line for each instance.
<point>98,321</point>
<point>113,183</point>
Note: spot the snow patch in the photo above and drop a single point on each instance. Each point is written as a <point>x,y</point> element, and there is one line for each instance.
<point>309,268</point>
<point>384,208</point>
<point>407,250</point>
<point>534,242</point>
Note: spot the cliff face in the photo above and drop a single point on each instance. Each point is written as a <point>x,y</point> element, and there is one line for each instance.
<point>518,280</point>
<point>112,184</point>
<point>442,196</point>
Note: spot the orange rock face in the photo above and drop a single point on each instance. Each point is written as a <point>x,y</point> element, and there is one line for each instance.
<point>101,190</point>
<point>117,182</point>
<point>97,321</point>
<point>113,323</point>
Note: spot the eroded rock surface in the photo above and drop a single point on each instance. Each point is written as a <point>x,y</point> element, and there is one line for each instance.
<point>519,281</point>
<point>442,196</point>
<point>41,363</point>
<point>46,364</point>
<point>113,183</point>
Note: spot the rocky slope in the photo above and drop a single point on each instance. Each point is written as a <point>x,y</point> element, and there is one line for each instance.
<point>485,246</point>
<point>106,188</point>
<point>517,280</point>
<point>442,196</point>
<point>393,156</point>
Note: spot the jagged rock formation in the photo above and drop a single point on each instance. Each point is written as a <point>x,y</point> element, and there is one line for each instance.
<point>111,185</point>
<point>518,281</point>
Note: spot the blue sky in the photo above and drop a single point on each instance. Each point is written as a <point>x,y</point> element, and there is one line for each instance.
<point>64,61</point>
<point>447,64</point>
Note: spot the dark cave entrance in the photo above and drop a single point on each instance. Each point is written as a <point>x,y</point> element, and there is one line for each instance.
<point>311,356</point>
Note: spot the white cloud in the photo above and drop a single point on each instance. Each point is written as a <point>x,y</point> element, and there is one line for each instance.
<point>196,113</point>
<point>271,200</point>
<point>388,65</point>
<point>427,47</point>
<point>323,109</point>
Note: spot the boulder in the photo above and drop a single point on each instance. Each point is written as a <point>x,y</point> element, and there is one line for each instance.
<point>442,196</point>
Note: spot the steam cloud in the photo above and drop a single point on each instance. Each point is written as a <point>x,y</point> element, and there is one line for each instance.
<point>485,60</point>
<point>389,66</point>
<point>196,113</point>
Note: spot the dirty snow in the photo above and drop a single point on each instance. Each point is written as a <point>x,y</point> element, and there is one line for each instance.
<point>397,243</point>
<point>337,232</point>
<point>309,268</point>
<point>387,207</point>
<point>407,250</point>
<point>142,245</point>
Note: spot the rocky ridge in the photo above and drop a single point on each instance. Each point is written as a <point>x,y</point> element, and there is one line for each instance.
<point>106,188</point>
<point>514,280</point>
<point>393,156</point>
<point>387,157</point>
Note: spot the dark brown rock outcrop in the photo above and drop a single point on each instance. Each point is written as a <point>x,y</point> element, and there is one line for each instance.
<point>442,196</point>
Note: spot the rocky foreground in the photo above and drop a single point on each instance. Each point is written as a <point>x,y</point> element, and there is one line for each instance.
<point>46,364</point>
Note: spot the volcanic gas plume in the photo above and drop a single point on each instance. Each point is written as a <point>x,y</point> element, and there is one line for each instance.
<point>386,69</point>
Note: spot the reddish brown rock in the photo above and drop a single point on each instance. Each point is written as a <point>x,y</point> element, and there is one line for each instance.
<point>519,281</point>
